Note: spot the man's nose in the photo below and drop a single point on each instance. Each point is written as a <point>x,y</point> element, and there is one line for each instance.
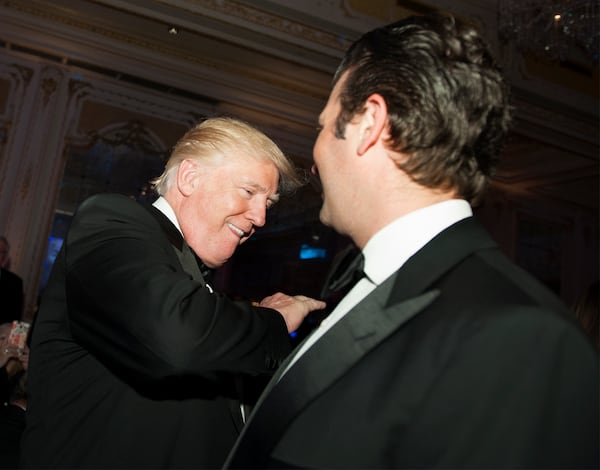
<point>258,213</point>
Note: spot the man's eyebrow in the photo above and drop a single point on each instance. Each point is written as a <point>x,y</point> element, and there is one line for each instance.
<point>273,198</point>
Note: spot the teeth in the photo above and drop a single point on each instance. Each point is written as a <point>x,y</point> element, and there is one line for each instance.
<point>237,230</point>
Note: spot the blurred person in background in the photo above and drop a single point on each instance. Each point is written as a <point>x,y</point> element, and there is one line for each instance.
<point>11,287</point>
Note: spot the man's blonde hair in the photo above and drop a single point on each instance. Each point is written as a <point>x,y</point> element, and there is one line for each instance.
<point>223,136</point>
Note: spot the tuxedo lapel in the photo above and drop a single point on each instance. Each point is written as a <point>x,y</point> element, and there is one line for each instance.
<point>185,255</point>
<point>171,232</point>
<point>189,262</point>
<point>361,330</point>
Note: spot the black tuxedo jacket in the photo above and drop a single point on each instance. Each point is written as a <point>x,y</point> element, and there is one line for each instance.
<point>459,360</point>
<point>11,296</point>
<point>133,359</point>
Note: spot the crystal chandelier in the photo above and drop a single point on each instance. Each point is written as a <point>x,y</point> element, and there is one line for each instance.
<point>557,30</point>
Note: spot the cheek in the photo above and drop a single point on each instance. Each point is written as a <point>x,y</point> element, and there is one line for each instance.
<point>194,220</point>
<point>210,210</point>
<point>325,152</point>
<point>318,148</point>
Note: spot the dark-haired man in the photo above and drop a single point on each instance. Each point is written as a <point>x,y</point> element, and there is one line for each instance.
<point>445,354</point>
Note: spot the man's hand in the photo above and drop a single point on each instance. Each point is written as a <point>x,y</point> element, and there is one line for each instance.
<point>293,308</point>
<point>7,352</point>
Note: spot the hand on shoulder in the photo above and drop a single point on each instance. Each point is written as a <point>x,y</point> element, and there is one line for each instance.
<point>293,308</point>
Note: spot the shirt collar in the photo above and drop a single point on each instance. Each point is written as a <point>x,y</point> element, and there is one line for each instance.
<point>162,205</point>
<point>394,244</point>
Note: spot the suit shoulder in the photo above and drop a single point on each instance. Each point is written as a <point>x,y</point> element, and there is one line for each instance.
<point>514,284</point>
<point>103,212</point>
<point>107,201</point>
<point>489,289</point>
<point>112,205</point>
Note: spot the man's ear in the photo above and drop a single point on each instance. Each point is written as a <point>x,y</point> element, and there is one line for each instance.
<point>187,177</point>
<point>373,123</point>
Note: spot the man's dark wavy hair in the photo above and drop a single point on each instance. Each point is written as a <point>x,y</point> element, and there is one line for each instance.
<point>448,103</point>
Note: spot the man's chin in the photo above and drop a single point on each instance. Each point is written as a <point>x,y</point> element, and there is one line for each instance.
<point>324,218</point>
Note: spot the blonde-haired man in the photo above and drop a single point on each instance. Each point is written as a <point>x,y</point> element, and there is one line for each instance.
<point>134,356</point>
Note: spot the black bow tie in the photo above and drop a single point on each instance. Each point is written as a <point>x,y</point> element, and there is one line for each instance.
<point>206,271</point>
<point>346,271</point>
<point>192,264</point>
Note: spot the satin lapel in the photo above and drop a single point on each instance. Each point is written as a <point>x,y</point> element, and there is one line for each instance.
<point>189,262</point>
<point>174,235</point>
<point>362,329</point>
<point>182,250</point>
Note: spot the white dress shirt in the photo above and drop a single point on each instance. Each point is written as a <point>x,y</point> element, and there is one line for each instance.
<point>387,251</point>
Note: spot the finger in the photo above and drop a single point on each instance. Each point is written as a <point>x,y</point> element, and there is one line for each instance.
<point>317,304</point>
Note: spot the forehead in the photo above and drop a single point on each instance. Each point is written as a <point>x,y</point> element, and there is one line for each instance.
<point>243,162</point>
<point>240,168</point>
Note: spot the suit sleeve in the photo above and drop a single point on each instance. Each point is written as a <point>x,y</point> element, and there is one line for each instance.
<point>131,304</point>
